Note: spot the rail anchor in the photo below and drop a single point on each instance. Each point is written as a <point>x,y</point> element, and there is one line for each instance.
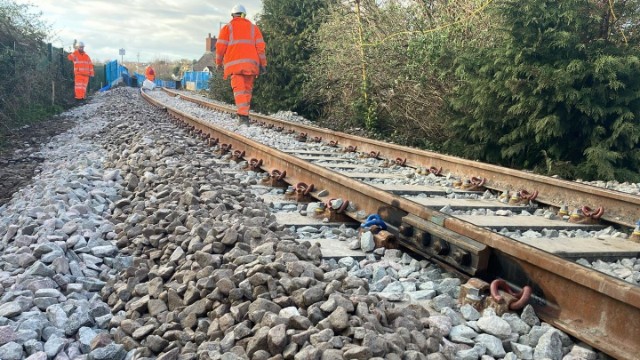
<point>254,165</point>
<point>302,137</point>
<point>372,155</point>
<point>237,155</point>
<point>473,184</point>
<point>497,296</point>
<point>586,215</point>
<point>276,179</point>
<point>333,210</point>
<point>224,148</point>
<point>301,192</point>
<point>523,197</point>
<point>430,171</point>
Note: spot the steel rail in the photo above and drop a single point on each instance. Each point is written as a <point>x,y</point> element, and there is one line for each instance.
<point>595,308</point>
<point>620,208</point>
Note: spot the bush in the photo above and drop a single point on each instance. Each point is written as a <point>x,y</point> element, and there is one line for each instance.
<point>560,86</point>
<point>31,69</point>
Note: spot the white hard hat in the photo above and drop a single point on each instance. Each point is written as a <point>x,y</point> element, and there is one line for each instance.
<point>238,9</point>
<point>80,44</point>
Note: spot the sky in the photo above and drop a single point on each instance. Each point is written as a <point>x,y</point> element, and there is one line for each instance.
<point>147,30</point>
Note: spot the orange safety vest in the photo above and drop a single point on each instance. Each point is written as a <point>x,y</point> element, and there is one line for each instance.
<point>150,74</point>
<point>240,47</point>
<point>82,64</point>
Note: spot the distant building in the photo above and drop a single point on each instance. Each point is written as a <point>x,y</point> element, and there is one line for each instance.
<point>207,62</point>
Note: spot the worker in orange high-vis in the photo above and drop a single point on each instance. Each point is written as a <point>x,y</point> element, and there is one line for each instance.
<point>240,49</point>
<point>82,70</point>
<point>149,73</point>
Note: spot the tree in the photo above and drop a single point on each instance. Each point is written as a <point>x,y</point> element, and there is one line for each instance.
<point>558,91</point>
<point>408,53</point>
<point>288,27</point>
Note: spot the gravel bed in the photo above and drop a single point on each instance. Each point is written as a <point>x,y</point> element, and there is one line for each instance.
<point>136,241</point>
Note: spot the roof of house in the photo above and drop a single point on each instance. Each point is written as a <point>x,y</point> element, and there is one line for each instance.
<point>208,60</point>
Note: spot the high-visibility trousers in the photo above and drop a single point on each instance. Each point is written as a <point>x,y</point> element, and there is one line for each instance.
<point>81,86</point>
<point>242,86</point>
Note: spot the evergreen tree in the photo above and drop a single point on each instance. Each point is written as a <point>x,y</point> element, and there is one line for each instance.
<point>560,86</point>
<point>288,27</point>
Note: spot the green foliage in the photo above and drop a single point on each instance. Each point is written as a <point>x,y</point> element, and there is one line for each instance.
<point>335,72</point>
<point>560,85</point>
<point>220,89</point>
<point>409,48</point>
<point>288,27</point>
<point>366,109</point>
<point>31,69</point>
<point>36,112</point>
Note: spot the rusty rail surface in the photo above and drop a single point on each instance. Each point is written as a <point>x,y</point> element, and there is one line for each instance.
<point>598,309</point>
<point>619,207</point>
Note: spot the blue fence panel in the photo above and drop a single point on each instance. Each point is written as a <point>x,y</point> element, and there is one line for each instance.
<point>196,80</point>
<point>128,78</point>
<point>140,78</point>
<point>170,84</point>
<point>116,73</point>
<point>112,73</point>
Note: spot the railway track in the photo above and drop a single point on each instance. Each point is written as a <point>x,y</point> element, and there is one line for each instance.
<point>466,215</point>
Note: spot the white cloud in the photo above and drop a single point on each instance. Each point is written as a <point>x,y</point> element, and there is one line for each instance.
<point>165,29</point>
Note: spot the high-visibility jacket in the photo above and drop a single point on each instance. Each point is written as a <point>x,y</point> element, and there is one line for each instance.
<point>82,64</point>
<point>240,48</point>
<point>149,73</point>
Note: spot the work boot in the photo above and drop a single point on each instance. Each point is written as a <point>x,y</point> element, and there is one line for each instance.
<point>243,120</point>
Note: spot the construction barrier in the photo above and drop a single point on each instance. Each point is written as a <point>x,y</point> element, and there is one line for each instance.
<point>129,79</point>
<point>112,73</point>
<point>116,73</point>
<point>196,80</point>
<point>140,78</point>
